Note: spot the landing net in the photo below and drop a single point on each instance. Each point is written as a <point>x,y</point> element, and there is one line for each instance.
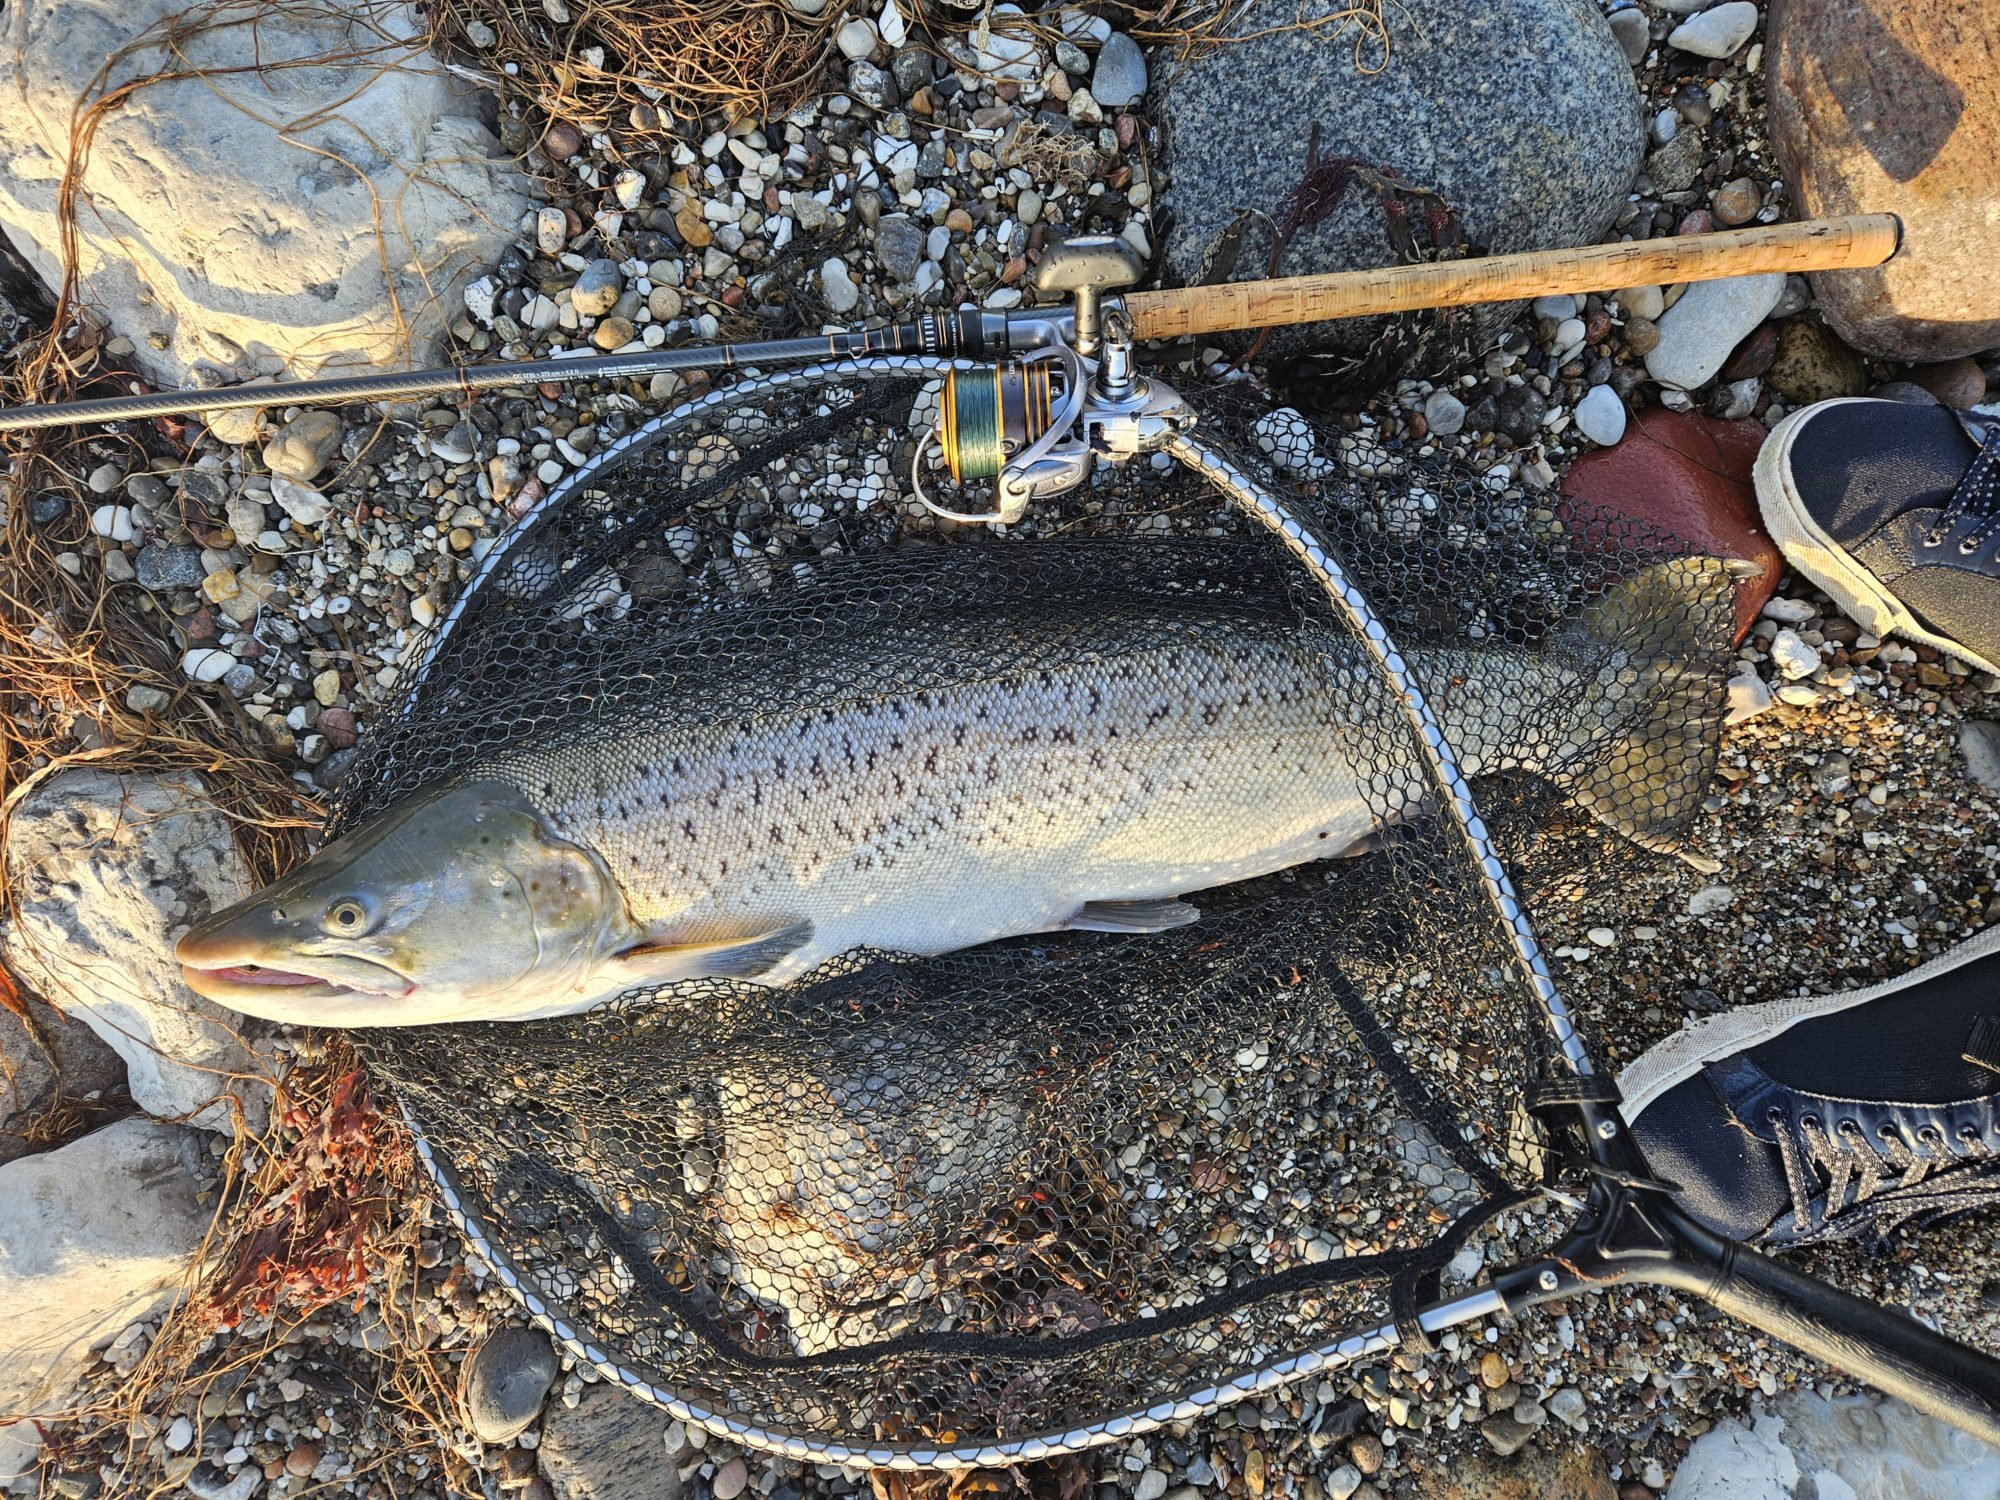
<point>1028,1198</point>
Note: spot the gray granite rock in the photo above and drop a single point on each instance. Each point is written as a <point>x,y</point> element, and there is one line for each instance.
<point>1522,113</point>
<point>1698,332</point>
<point>899,245</point>
<point>1120,76</point>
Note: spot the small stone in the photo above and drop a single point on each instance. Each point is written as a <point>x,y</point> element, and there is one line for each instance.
<point>613,333</point>
<point>1792,656</point>
<point>1749,696</point>
<point>221,586</point>
<point>596,289</point>
<point>1633,32</point>
<point>1506,1435</point>
<point>664,303</point>
<point>856,38</point>
<point>105,478</point>
<point>1120,78</point>
<point>1642,336</point>
<point>731,1479</point>
<point>306,445</point>
<point>1530,1413</point>
<point>506,1381</point>
<point>692,226</point>
<point>1810,363</point>
<point>326,686</point>
<point>205,664</point>
<point>146,700</point>
<point>837,286</point>
<point>551,231</point>
<point>1493,1371</point>
<point>899,246</point>
<point>1444,412</point>
<point>1518,411</point>
<point>304,504</point>
<point>1718,32</point>
<point>1676,165</point>
<point>1152,1485</point>
<point>1600,416</point>
<point>1709,900</point>
<point>1366,1451</point>
<point>302,1460</point>
<point>629,188</point>
<point>1567,1407</point>
<point>1956,383</point>
<point>1979,744</point>
<point>1737,201</point>
<point>1754,355</point>
<point>1642,301</point>
<point>1698,333</point>
<point>161,567</point>
<point>179,1434</point>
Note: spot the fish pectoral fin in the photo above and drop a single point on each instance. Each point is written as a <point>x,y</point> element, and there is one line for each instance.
<point>1132,916</point>
<point>749,957</point>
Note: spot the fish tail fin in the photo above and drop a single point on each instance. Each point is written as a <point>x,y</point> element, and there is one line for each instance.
<point>1641,750</point>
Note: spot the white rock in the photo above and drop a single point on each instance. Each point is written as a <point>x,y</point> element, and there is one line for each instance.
<point>838,286</point>
<point>1569,336</point>
<point>1789,611</point>
<point>109,871</point>
<point>1698,332</point>
<point>1600,416</point>
<point>196,173</point>
<point>1289,441</point>
<point>1865,1446</point>
<point>479,297</point>
<point>1710,899</point>
<point>629,188</point>
<point>206,664</point>
<point>113,521</point>
<point>94,1237</point>
<point>1749,696</point>
<point>1718,32</point>
<point>895,30</point>
<point>1003,47</point>
<point>856,38</point>
<point>1792,656</point>
<point>304,504</point>
<point>551,231</point>
<point>1979,744</point>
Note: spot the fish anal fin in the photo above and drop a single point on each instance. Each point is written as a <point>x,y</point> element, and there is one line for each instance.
<point>1132,916</point>
<point>749,957</point>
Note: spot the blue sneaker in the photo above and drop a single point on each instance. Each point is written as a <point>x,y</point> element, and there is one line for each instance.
<point>1894,510</point>
<point>1843,1116</point>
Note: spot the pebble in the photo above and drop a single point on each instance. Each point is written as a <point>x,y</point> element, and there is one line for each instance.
<point>1737,202</point>
<point>1709,900</point>
<point>899,246</point>
<point>1718,32</point>
<point>856,39</point>
<point>142,699</point>
<point>551,231</point>
<point>305,446</point>
<point>1567,1406</point>
<point>596,290</point>
<point>1642,336</point>
<point>1749,696</point>
<point>629,188</point>
<point>1634,33</point>
<point>1979,744</point>
<point>614,333</point>
<point>1959,383</point>
<point>1600,416</point>
<point>304,504</point>
<point>179,1435</point>
<point>105,478</point>
<point>1119,79</point>
<point>1506,1435</point>
<point>1445,413</point>
<point>506,1381</point>
<point>838,287</point>
<point>113,521</point>
<point>731,1479</point>
<point>302,1460</point>
<point>205,664</point>
<point>1493,1371</point>
<point>1712,317</point>
<point>1792,656</point>
<point>1152,1485</point>
<point>1642,301</point>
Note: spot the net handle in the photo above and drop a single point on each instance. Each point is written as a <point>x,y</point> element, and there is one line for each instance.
<point>1303,540</point>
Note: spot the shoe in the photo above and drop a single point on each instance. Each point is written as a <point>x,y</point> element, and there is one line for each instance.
<point>1841,1116</point>
<point>1894,510</point>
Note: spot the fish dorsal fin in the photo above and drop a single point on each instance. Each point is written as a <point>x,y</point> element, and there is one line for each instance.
<point>748,957</point>
<point>1132,916</point>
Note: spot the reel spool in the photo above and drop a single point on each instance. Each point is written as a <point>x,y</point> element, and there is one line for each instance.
<point>989,414</point>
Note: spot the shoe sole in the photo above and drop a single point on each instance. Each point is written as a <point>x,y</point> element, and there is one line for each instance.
<point>1820,558</point>
<point>1713,1038</point>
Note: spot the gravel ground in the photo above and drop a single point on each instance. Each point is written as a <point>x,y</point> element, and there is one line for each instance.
<point>299,566</point>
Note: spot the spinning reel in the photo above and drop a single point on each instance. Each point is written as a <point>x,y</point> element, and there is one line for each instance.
<point>1035,425</point>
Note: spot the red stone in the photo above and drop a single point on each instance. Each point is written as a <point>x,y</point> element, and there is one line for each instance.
<point>338,725</point>
<point>1754,355</point>
<point>1684,478</point>
<point>1701,221</point>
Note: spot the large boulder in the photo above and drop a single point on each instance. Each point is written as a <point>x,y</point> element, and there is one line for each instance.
<point>1850,1445</point>
<point>1522,113</point>
<point>306,189</point>
<point>93,1238</point>
<point>46,1059</point>
<point>107,872</point>
<point>1893,106</point>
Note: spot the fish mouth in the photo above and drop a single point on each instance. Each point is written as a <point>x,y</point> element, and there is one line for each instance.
<point>279,994</point>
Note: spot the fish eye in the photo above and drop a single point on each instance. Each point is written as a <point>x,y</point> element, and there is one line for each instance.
<point>346,918</point>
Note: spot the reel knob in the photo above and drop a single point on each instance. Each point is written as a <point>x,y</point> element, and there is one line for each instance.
<point>1085,268</point>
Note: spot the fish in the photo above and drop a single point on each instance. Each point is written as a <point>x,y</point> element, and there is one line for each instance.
<point>1107,768</point>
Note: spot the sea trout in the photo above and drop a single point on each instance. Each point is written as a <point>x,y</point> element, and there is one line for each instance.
<point>1147,759</point>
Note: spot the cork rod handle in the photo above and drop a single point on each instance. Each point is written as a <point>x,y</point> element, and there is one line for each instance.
<point>1816,245</point>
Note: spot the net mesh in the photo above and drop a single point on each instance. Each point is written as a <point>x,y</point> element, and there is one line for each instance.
<point>1015,1191</point>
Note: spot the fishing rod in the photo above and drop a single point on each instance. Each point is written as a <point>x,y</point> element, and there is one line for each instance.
<point>1092,273</point>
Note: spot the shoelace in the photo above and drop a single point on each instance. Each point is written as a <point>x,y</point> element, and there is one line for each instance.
<point>1891,1182</point>
<point>1977,496</point>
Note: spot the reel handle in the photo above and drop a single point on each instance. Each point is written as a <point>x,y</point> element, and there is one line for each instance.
<point>1084,269</point>
<point>1815,245</point>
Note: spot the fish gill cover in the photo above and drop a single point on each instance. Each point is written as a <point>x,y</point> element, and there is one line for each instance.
<point>926,1204</point>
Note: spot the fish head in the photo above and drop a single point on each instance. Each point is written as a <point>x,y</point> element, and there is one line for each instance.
<point>460,904</point>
